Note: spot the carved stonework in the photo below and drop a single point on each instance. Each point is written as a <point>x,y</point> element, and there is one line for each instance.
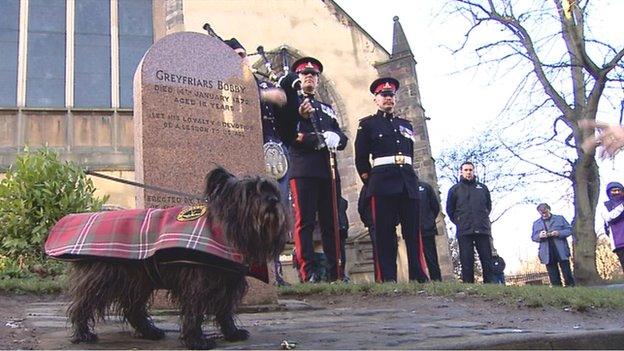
<point>174,15</point>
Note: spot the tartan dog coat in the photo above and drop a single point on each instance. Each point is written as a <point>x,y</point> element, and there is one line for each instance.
<point>140,234</point>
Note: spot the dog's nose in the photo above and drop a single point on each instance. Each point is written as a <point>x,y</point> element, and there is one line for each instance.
<point>273,199</point>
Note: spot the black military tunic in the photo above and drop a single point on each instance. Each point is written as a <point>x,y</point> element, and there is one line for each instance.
<point>392,187</point>
<point>429,210</point>
<point>307,161</point>
<point>310,184</point>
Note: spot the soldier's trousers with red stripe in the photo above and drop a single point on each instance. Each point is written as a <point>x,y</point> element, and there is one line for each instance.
<point>385,210</point>
<point>311,196</point>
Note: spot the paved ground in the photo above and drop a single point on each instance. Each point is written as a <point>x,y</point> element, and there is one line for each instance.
<point>380,323</point>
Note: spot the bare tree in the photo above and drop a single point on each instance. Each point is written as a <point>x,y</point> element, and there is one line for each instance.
<point>567,72</point>
<point>505,175</point>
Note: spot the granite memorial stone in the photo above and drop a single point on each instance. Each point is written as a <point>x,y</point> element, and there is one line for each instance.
<point>196,106</point>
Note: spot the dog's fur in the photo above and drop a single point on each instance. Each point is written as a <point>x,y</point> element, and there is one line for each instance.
<point>253,219</point>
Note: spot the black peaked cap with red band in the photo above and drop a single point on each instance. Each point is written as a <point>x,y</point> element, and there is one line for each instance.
<point>384,85</point>
<point>306,65</point>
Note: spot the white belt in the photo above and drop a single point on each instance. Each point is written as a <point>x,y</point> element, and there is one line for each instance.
<point>392,160</point>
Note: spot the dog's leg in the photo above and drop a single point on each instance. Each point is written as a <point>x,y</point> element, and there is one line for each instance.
<point>144,326</point>
<point>189,288</point>
<point>135,312</point>
<point>81,314</point>
<point>82,333</point>
<point>224,315</point>
<point>84,308</point>
<point>191,332</point>
<point>229,329</point>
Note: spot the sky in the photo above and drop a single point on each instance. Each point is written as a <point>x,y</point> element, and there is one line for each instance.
<point>470,99</point>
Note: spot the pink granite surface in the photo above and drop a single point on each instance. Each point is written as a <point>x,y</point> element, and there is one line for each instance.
<point>195,107</point>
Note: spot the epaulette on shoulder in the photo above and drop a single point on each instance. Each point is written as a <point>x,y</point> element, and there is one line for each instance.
<point>263,83</point>
<point>325,104</point>
<point>401,118</point>
<point>363,119</point>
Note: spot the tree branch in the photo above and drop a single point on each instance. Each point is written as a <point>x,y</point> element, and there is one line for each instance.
<point>613,63</point>
<point>521,33</point>
<point>559,174</point>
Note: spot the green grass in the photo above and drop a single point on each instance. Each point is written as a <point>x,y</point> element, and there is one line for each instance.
<point>33,285</point>
<point>578,298</point>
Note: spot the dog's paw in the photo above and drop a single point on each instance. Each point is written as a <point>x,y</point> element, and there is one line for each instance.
<point>152,333</point>
<point>237,335</point>
<point>86,337</point>
<point>200,344</point>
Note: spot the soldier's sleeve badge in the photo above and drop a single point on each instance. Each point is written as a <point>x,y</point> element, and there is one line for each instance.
<point>406,132</point>
<point>328,111</point>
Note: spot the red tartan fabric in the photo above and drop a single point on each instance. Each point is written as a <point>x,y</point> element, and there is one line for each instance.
<point>135,234</point>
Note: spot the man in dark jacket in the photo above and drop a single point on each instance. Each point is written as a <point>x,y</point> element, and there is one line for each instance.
<point>429,210</point>
<point>468,205</point>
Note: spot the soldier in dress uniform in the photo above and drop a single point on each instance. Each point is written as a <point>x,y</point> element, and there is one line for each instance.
<point>317,134</point>
<point>391,183</point>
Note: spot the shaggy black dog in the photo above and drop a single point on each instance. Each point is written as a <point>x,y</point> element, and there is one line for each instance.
<point>253,219</point>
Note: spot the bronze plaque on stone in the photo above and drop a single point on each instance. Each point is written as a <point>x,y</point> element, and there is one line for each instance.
<point>196,106</point>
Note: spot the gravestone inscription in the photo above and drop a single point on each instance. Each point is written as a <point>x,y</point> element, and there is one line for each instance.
<point>196,107</point>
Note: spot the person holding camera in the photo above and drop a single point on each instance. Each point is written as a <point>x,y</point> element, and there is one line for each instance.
<point>551,232</point>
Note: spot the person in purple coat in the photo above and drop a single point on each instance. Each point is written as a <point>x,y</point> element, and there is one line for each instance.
<point>613,215</point>
<point>551,232</point>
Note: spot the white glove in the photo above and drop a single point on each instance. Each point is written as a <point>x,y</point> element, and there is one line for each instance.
<point>331,139</point>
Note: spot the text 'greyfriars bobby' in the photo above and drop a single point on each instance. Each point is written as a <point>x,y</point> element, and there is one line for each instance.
<point>220,85</point>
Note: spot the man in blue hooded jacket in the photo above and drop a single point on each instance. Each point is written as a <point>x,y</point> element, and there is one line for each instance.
<point>613,215</point>
<point>551,232</point>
